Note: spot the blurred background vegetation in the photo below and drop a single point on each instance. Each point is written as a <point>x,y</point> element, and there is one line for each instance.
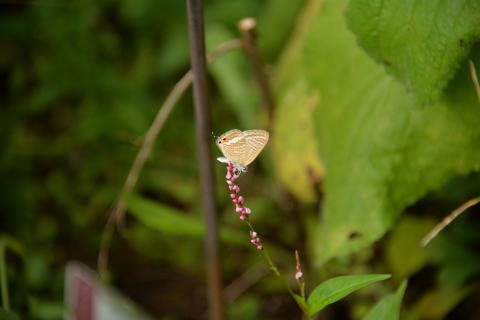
<point>81,82</point>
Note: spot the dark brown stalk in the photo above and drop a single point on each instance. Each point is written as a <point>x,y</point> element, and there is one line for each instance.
<point>247,31</point>
<point>203,129</point>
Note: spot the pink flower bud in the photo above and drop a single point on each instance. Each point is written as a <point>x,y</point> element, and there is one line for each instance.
<point>259,247</point>
<point>253,234</point>
<point>241,199</point>
<point>229,181</point>
<point>243,217</point>
<point>248,211</point>
<point>233,195</point>
<point>238,209</point>
<point>298,275</point>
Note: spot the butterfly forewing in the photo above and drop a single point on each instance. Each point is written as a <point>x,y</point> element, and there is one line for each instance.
<point>232,145</point>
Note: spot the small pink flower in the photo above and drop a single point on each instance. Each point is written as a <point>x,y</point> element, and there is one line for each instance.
<point>255,240</point>
<point>298,266</point>
<point>239,200</point>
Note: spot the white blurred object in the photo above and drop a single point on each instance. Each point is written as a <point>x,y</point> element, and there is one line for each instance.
<point>88,298</point>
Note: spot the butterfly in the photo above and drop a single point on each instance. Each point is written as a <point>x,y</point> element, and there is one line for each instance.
<point>242,147</point>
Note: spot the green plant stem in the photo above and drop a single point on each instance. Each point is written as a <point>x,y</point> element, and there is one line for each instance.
<point>4,279</point>
<point>275,270</point>
<point>302,290</point>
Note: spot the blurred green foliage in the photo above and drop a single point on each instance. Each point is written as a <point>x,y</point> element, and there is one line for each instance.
<point>81,82</point>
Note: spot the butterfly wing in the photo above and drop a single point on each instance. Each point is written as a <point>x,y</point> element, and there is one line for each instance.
<point>234,147</point>
<point>255,141</point>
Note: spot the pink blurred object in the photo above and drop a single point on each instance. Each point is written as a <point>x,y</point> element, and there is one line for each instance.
<point>88,298</point>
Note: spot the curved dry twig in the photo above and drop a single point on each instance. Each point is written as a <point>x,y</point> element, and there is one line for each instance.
<point>117,214</point>
<point>473,74</point>
<point>448,219</point>
<point>470,203</point>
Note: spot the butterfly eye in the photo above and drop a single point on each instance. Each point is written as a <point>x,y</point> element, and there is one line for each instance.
<point>224,139</point>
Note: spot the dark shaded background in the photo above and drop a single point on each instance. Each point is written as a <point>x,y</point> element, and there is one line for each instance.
<point>80,84</point>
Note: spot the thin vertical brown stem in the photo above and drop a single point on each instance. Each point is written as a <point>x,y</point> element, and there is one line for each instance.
<point>247,30</point>
<point>473,74</point>
<point>203,129</point>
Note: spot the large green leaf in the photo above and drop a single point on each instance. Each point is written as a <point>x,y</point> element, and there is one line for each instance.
<point>172,221</point>
<point>294,145</point>
<point>403,251</point>
<point>389,307</point>
<point>231,74</point>
<point>437,303</point>
<point>337,288</point>
<point>420,42</point>
<point>381,152</point>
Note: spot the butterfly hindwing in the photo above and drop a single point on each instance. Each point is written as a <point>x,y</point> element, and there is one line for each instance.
<point>255,141</point>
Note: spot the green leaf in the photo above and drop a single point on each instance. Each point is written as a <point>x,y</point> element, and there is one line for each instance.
<point>457,262</point>
<point>232,75</point>
<point>381,152</point>
<point>389,307</point>
<point>421,42</point>
<point>335,289</point>
<point>300,300</point>
<point>437,303</point>
<point>281,14</point>
<point>403,251</point>
<point>294,144</point>
<point>46,310</point>
<point>174,222</point>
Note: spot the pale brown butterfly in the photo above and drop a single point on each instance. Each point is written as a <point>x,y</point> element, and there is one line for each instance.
<point>242,147</point>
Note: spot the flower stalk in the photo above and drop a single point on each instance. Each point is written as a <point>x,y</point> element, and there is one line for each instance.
<point>232,175</point>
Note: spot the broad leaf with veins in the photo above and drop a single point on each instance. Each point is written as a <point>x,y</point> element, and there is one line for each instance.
<point>381,150</point>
